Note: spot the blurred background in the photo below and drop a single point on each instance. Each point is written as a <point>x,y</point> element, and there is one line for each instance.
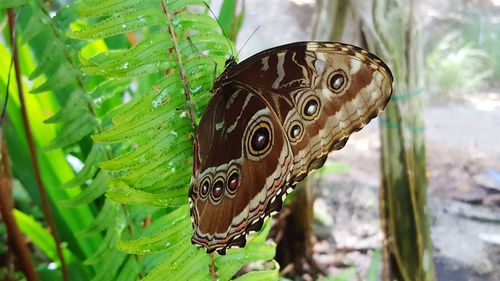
<point>458,73</point>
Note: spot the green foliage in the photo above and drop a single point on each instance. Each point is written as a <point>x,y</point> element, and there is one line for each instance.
<point>462,52</point>
<point>446,63</point>
<point>374,271</point>
<point>333,167</point>
<point>229,20</point>
<point>11,4</point>
<point>53,165</point>
<point>132,159</point>
<point>40,236</point>
<point>347,274</point>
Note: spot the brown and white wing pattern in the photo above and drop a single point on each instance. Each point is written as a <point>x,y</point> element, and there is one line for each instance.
<point>274,118</point>
<point>322,92</point>
<point>242,166</point>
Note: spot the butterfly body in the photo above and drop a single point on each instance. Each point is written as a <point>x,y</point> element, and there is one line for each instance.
<point>275,117</point>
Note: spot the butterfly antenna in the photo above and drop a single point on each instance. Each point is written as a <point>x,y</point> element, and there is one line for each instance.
<point>253,33</point>
<point>192,45</point>
<point>201,53</point>
<point>222,29</point>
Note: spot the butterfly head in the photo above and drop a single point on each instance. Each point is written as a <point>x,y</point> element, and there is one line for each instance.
<point>230,63</point>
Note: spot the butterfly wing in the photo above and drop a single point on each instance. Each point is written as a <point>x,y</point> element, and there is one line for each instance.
<point>273,119</point>
<point>321,92</point>
<point>241,168</point>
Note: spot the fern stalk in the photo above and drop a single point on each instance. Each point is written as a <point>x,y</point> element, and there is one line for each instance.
<point>33,154</point>
<point>151,166</point>
<point>182,71</point>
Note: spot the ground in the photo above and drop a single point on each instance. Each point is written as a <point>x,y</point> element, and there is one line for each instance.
<point>464,202</point>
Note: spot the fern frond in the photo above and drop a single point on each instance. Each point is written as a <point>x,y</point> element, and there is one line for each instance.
<point>57,73</point>
<point>96,155</point>
<point>90,193</point>
<point>152,134</point>
<point>110,210</point>
<point>40,236</point>
<point>74,130</point>
<point>4,4</point>
<point>120,192</point>
<point>140,60</point>
<point>57,61</point>
<point>255,250</point>
<point>262,275</point>
<point>129,271</point>
<point>114,230</point>
<point>187,262</point>
<point>111,265</point>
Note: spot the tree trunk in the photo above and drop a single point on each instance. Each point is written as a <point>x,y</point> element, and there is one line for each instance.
<point>403,197</point>
<point>294,249</point>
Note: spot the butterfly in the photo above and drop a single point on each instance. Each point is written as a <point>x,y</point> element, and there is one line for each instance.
<point>273,119</point>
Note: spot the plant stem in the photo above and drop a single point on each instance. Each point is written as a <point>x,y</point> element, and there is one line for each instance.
<point>33,154</point>
<point>182,71</point>
<point>14,237</point>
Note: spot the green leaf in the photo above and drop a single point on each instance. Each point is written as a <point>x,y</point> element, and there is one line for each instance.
<point>178,231</point>
<point>96,155</point>
<point>159,165</point>
<point>226,15</point>
<point>37,24</point>
<point>262,275</point>
<point>114,259</point>
<point>4,4</point>
<point>99,8</point>
<point>235,258</point>
<point>90,193</point>
<point>151,124</point>
<point>164,91</point>
<point>374,270</point>
<point>75,106</point>
<point>184,262</point>
<point>74,131</point>
<point>130,270</point>
<point>229,20</point>
<point>114,229</point>
<point>346,275</point>
<point>120,192</point>
<point>41,237</point>
<point>104,219</point>
<point>152,149</point>
<point>53,165</point>
<point>147,57</point>
<point>192,21</point>
<point>122,23</point>
<point>174,6</point>
<point>65,75</point>
<point>48,62</point>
